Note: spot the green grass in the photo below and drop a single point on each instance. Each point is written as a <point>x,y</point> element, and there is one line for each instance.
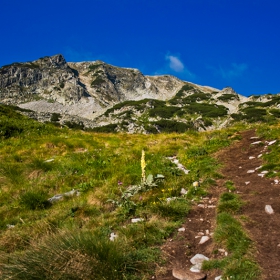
<point>70,238</point>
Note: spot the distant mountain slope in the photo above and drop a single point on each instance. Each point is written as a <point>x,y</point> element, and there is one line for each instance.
<point>109,98</point>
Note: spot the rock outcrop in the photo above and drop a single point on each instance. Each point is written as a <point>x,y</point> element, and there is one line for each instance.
<point>47,78</point>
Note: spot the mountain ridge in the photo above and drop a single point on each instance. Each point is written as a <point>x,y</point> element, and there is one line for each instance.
<point>96,94</point>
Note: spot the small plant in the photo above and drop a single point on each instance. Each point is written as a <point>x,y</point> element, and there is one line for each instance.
<point>230,186</point>
<point>34,200</point>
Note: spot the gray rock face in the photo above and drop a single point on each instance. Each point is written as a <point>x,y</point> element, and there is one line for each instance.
<point>111,85</point>
<point>47,78</point>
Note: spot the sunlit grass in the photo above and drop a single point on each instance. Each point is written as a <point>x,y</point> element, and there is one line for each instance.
<point>42,161</point>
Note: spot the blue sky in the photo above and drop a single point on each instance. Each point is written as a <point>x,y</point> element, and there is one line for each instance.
<point>217,43</point>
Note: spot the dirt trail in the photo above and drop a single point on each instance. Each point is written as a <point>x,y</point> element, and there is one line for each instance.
<point>262,228</point>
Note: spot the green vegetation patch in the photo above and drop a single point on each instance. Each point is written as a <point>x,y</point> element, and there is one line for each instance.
<point>207,110</point>
<point>228,97</point>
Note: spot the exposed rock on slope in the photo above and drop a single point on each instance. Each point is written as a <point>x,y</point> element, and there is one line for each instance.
<point>109,98</point>
<point>50,78</point>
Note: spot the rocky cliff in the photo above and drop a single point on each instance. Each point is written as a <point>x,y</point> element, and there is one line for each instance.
<point>48,78</point>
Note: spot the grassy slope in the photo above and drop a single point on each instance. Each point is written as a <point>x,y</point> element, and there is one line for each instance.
<point>71,238</point>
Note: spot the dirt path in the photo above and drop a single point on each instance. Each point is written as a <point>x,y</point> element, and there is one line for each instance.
<point>264,229</point>
<point>256,191</point>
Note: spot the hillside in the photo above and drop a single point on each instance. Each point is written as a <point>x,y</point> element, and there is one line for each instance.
<point>106,98</point>
<point>86,205</point>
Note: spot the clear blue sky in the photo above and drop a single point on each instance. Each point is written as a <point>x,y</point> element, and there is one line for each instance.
<point>209,42</point>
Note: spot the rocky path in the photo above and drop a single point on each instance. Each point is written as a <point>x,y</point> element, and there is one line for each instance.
<point>241,166</point>
<point>262,195</point>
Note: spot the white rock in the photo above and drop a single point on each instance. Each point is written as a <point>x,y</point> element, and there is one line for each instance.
<point>247,183</point>
<point>264,172</point>
<point>136,220</point>
<point>211,206</point>
<point>254,137</point>
<point>198,259</point>
<point>196,268</point>
<point>218,277</point>
<point>183,191</point>
<point>250,171</point>
<point>260,155</point>
<point>257,168</point>
<point>200,234</point>
<point>10,226</point>
<point>268,209</point>
<point>204,239</point>
<point>181,229</point>
<point>207,231</point>
<point>113,236</point>
<point>276,181</point>
<point>261,175</point>
<point>201,205</point>
<point>257,142</point>
<point>49,160</point>
<point>252,157</point>
<point>271,142</point>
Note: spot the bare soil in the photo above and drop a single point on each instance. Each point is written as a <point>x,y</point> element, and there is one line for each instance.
<point>262,228</point>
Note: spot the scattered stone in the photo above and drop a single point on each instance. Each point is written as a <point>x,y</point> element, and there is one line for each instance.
<point>252,157</point>
<point>200,233</point>
<point>179,165</point>
<point>257,168</point>
<point>168,199</point>
<point>276,181</point>
<point>201,205</point>
<point>198,258</point>
<point>260,155</point>
<point>137,220</point>
<point>10,226</point>
<point>264,172</point>
<point>49,160</point>
<point>59,197</point>
<point>221,250</point>
<point>55,198</point>
<point>256,143</point>
<point>207,231</point>
<point>183,191</point>
<point>204,239</point>
<point>182,274</point>
<point>113,236</point>
<point>240,167</point>
<point>268,209</point>
<point>261,175</point>
<point>250,171</point>
<point>218,277</point>
<point>196,268</point>
<point>211,206</point>
<point>271,142</point>
<point>181,229</point>
<point>278,245</point>
<point>254,137</point>
<point>247,183</point>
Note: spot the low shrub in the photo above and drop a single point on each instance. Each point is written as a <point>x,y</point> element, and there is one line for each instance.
<point>34,200</point>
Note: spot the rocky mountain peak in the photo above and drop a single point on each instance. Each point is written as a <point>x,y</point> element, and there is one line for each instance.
<point>101,96</point>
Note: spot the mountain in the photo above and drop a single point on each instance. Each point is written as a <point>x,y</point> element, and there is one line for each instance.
<point>107,98</point>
